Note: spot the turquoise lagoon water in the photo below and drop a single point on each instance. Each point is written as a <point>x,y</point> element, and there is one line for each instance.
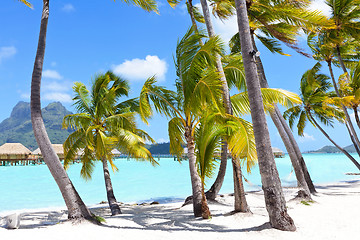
<point>32,187</point>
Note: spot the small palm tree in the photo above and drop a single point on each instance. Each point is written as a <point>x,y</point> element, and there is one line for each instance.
<point>102,124</point>
<point>314,92</point>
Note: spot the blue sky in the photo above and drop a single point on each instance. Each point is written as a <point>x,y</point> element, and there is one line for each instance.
<point>89,37</point>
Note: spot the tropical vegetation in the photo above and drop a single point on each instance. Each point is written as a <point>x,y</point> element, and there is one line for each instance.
<point>103,124</point>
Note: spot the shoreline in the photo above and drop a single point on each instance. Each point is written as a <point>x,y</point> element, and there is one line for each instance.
<point>332,215</point>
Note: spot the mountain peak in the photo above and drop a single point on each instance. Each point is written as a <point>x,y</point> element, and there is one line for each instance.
<point>18,127</point>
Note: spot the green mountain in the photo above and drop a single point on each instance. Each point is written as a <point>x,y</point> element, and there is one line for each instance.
<point>160,148</point>
<point>333,149</point>
<point>18,127</point>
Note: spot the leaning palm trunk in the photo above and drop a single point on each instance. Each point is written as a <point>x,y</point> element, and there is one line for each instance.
<point>114,207</point>
<point>215,188</point>
<point>297,151</point>
<point>76,207</point>
<point>333,142</point>
<point>195,179</point>
<point>348,122</point>
<point>274,199</point>
<point>295,161</point>
<point>240,200</point>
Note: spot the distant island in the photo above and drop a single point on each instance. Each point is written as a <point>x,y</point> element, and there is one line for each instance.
<point>332,149</point>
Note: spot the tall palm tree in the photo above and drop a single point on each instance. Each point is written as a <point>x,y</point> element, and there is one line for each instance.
<point>349,86</point>
<point>76,207</point>
<point>272,23</point>
<point>323,50</point>
<point>102,124</point>
<point>274,199</point>
<point>314,94</point>
<point>197,87</point>
<point>345,15</point>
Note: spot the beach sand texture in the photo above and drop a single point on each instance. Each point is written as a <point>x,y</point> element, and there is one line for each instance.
<point>334,214</point>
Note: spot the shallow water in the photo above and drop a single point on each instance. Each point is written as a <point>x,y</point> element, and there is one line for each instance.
<point>30,187</point>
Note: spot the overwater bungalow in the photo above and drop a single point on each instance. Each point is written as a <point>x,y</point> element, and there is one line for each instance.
<point>15,153</point>
<point>278,153</point>
<point>59,150</point>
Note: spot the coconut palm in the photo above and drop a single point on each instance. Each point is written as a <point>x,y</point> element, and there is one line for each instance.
<point>102,124</point>
<point>274,199</point>
<point>197,87</point>
<point>323,50</point>
<point>345,15</point>
<point>314,92</point>
<point>272,23</point>
<point>350,90</point>
<point>76,208</point>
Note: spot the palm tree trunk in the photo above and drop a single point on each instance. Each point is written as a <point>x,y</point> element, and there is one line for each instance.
<point>356,116</point>
<point>195,179</point>
<point>295,161</point>
<point>297,151</point>
<point>77,210</point>
<point>340,59</point>
<point>274,198</point>
<point>348,123</point>
<point>215,188</point>
<point>240,204</point>
<point>114,207</point>
<point>333,142</point>
<point>204,206</point>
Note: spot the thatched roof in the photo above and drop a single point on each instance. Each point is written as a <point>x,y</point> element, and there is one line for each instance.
<point>276,150</point>
<point>14,149</point>
<point>57,147</point>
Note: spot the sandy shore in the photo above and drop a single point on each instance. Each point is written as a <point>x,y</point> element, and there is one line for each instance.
<point>334,214</point>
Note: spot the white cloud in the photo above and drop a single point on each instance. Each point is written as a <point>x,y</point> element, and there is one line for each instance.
<point>226,29</point>
<point>68,8</point>
<point>321,6</point>
<point>51,74</point>
<point>53,64</point>
<point>7,52</point>
<point>141,69</point>
<point>58,87</point>
<point>306,138</point>
<point>57,96</point>
<point>162,140</point>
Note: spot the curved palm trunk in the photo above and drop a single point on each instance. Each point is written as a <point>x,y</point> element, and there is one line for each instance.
<point>195,179</point>
<point>114,207</point>
<point>297,151</point>
<point>348,123</point>
<point>240,204</point>
<point>274,199</point>
<point>295,161</point>
<point>333,142</point>
<point>356,116</point>
<point>215,188</point>
<point>77,210</point>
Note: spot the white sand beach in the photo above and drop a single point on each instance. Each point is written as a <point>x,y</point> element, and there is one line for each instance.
<point>334,214</point>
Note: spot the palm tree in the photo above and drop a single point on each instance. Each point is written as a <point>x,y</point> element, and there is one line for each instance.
<point>272,22</point>
<point>102,124</point>
<point>76,207</point>
<point>345,16</point>
<point>197,88</point>
<point>314,94</point>
<point>323,50</point>
<point>274,199</point>
<point>350,90</point>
